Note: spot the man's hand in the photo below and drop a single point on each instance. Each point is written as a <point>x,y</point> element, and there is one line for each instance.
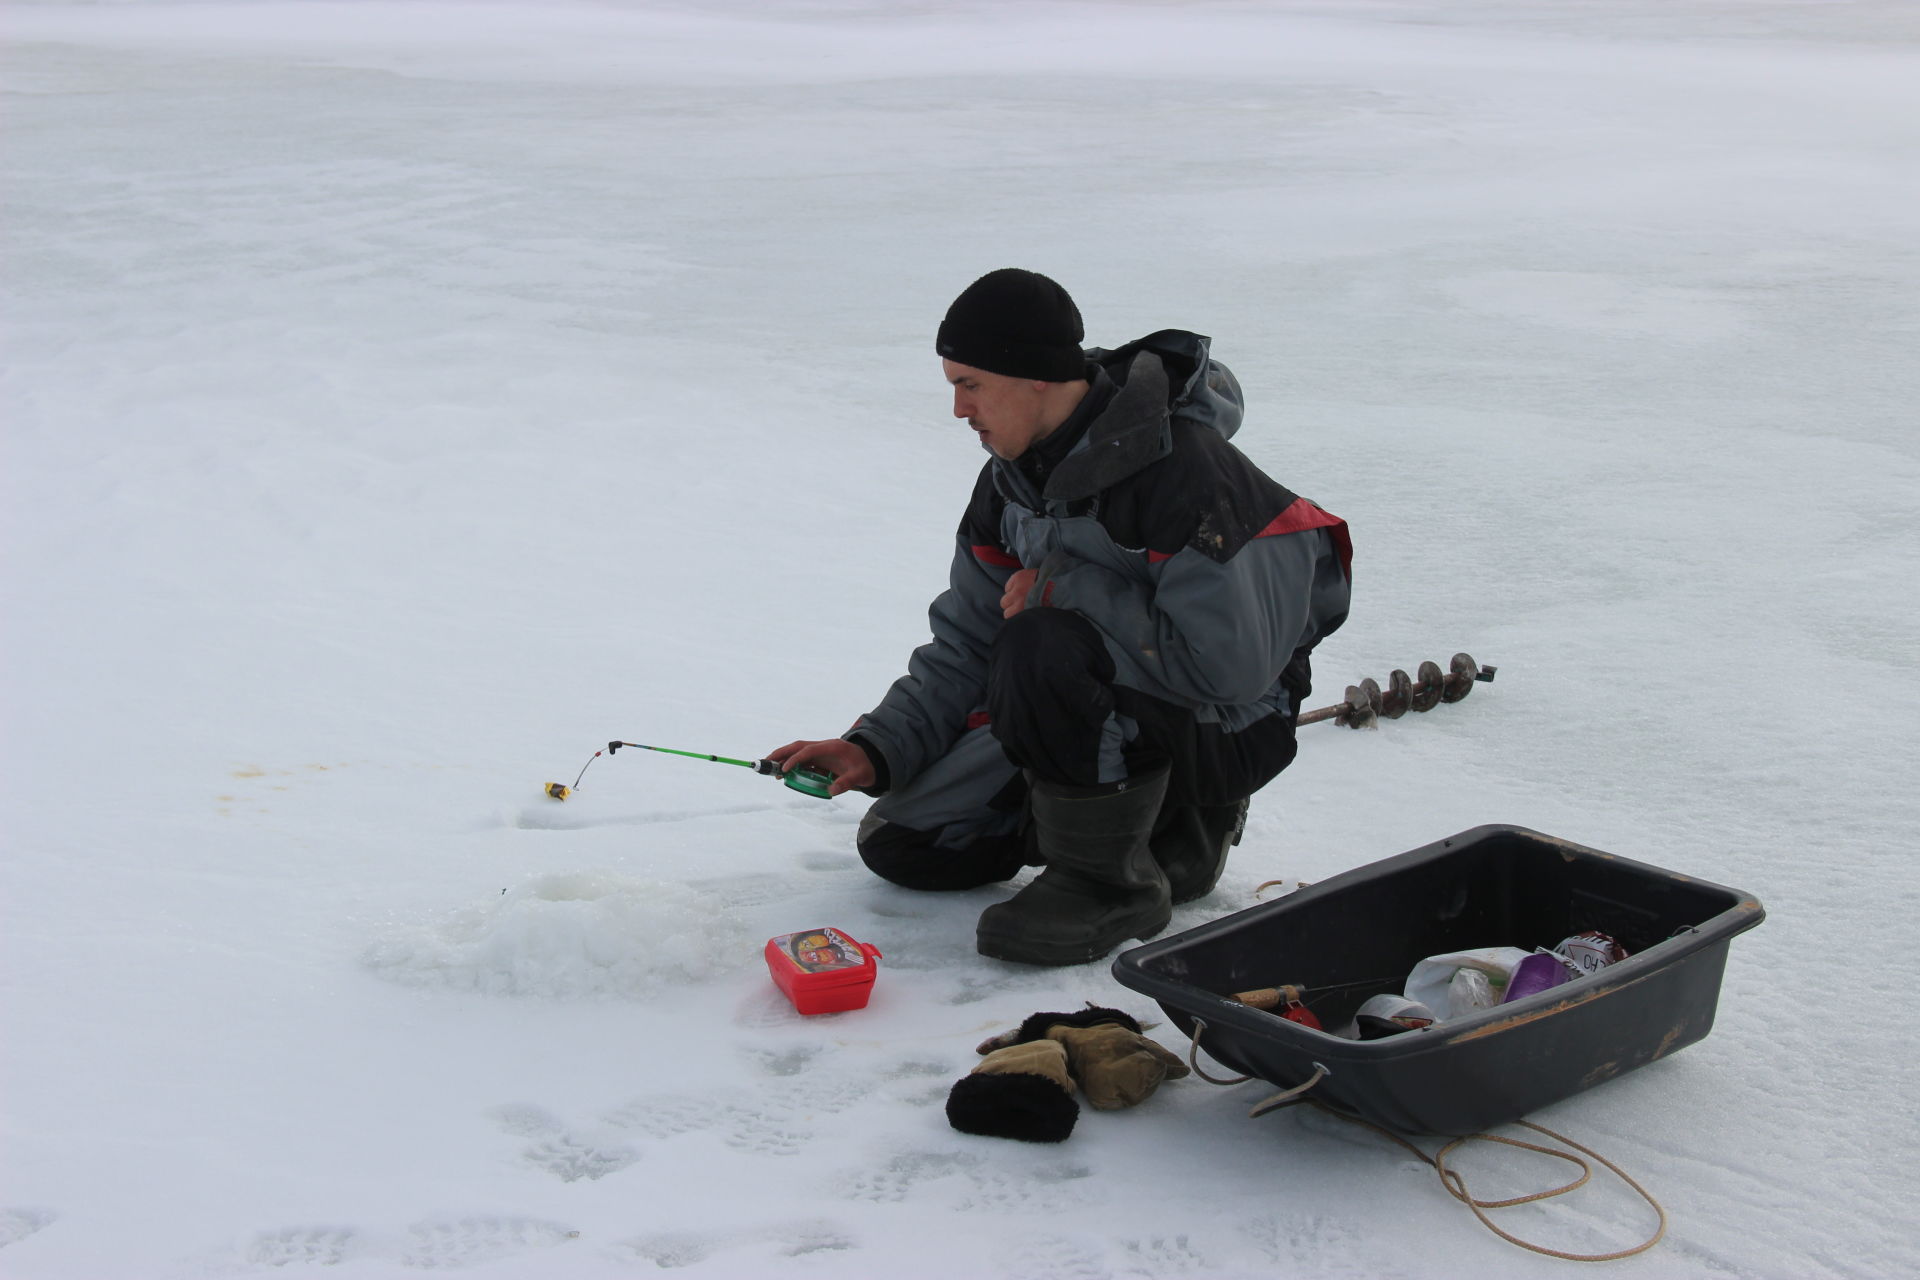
<point>1019,587</point>
<point>846,762</point>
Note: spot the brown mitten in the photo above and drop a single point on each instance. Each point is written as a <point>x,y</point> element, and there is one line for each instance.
<point>1116,1067</point>
<point>1113,1063</point>
<point>1022,1091</point>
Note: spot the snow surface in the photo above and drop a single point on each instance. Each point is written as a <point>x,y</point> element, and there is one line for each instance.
<point>401,400</point>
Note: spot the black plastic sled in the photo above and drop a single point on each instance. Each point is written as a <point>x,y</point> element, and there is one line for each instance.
<point>1359,934</point>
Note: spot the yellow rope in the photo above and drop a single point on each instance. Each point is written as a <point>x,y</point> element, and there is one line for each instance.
<point>1457,1186</point>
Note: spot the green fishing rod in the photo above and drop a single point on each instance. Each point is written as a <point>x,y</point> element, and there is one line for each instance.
<point>811,782</point>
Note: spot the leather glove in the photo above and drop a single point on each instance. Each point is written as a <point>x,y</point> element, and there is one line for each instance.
<point>1021,1091</point>
<point>1115,1067</point>
<point>1112,1061</point>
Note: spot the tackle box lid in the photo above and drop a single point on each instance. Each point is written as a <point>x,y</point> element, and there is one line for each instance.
<point>822,957</point>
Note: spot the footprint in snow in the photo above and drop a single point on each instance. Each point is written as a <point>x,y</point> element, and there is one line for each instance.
<point>524,1120</point>
<point>557,1150</point>
<point>811,1094</point>
<point>773,1118</point>
<point>894,1181</point>
<point>765,1131</point>
<point>570,1160</point>
<point>799,1085</point>
<point>1291,1236</point>
<point>1051,1188</point>
<point>666,1115</point>
<point>783,1062</point>
<point>470,1242</point>
<point>767,1126</point>
<point>1163,1256</point>
<point>431,1244</point>
<point>300,1246</point>
<point>17,1224</point>
<point>671,1249</point>
<point>1053,1258</point>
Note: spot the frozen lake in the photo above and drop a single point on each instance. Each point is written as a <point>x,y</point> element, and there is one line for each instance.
<point>401,400</point>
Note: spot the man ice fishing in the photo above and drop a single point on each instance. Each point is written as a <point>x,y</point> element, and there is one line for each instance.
<point>1122,649</point>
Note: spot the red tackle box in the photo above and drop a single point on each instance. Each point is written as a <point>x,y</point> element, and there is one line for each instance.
<point>822,970</point>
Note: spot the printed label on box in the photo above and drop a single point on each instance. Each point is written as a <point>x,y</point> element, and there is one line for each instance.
<point>820,950</point>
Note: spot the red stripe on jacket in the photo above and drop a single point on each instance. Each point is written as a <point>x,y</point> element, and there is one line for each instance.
<point>1299,516</point>
<point>1303,515</point>
<point>994,556</point>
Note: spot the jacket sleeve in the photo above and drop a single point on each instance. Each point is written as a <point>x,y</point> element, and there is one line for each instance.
<point>1202,632</point>
<point>926,710</point>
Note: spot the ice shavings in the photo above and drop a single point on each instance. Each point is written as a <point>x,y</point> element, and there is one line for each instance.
<point>569,935</point>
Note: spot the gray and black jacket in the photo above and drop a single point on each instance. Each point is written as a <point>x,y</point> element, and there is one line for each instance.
<point>1210,582</point>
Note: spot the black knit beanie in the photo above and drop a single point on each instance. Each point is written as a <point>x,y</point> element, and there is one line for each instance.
<point>1017,323</point>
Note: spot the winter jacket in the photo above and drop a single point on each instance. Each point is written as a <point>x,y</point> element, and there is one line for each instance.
<point>1210,582</point>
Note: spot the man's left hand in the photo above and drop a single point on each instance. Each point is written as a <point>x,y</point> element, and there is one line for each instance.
<point>1019,587</point>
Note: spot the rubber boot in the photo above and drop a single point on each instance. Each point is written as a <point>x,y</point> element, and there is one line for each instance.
<point>1101,885</point>
<point>1191,843</point>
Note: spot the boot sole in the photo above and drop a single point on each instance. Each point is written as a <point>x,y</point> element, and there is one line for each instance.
<point>1057,955</point>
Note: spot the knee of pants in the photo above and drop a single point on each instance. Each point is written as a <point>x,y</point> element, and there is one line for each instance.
<point>1050,694</point>
<point>912,860</point>
<point>1047,648</point>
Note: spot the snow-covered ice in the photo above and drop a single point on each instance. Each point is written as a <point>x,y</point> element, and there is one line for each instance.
<point>401,400</point>
<point>577,933</point>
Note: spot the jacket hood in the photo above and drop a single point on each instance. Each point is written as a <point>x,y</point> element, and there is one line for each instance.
<point>1163,376</point>
<point>1200,389</point>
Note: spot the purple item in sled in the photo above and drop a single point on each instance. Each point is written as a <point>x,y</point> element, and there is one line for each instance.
<point>1535,974</point>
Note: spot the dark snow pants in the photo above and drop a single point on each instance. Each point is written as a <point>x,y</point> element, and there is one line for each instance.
<point>1054,711</point>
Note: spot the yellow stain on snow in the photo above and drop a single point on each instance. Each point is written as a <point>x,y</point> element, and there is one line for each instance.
<point>248,772</point>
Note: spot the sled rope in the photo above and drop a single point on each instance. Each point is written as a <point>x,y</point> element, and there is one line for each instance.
<point>1455,1184</point>
<point>1193,1058</point>
<point>1320,1072</point>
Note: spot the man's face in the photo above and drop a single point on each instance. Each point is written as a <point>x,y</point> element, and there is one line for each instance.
<point>1008,414</point>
